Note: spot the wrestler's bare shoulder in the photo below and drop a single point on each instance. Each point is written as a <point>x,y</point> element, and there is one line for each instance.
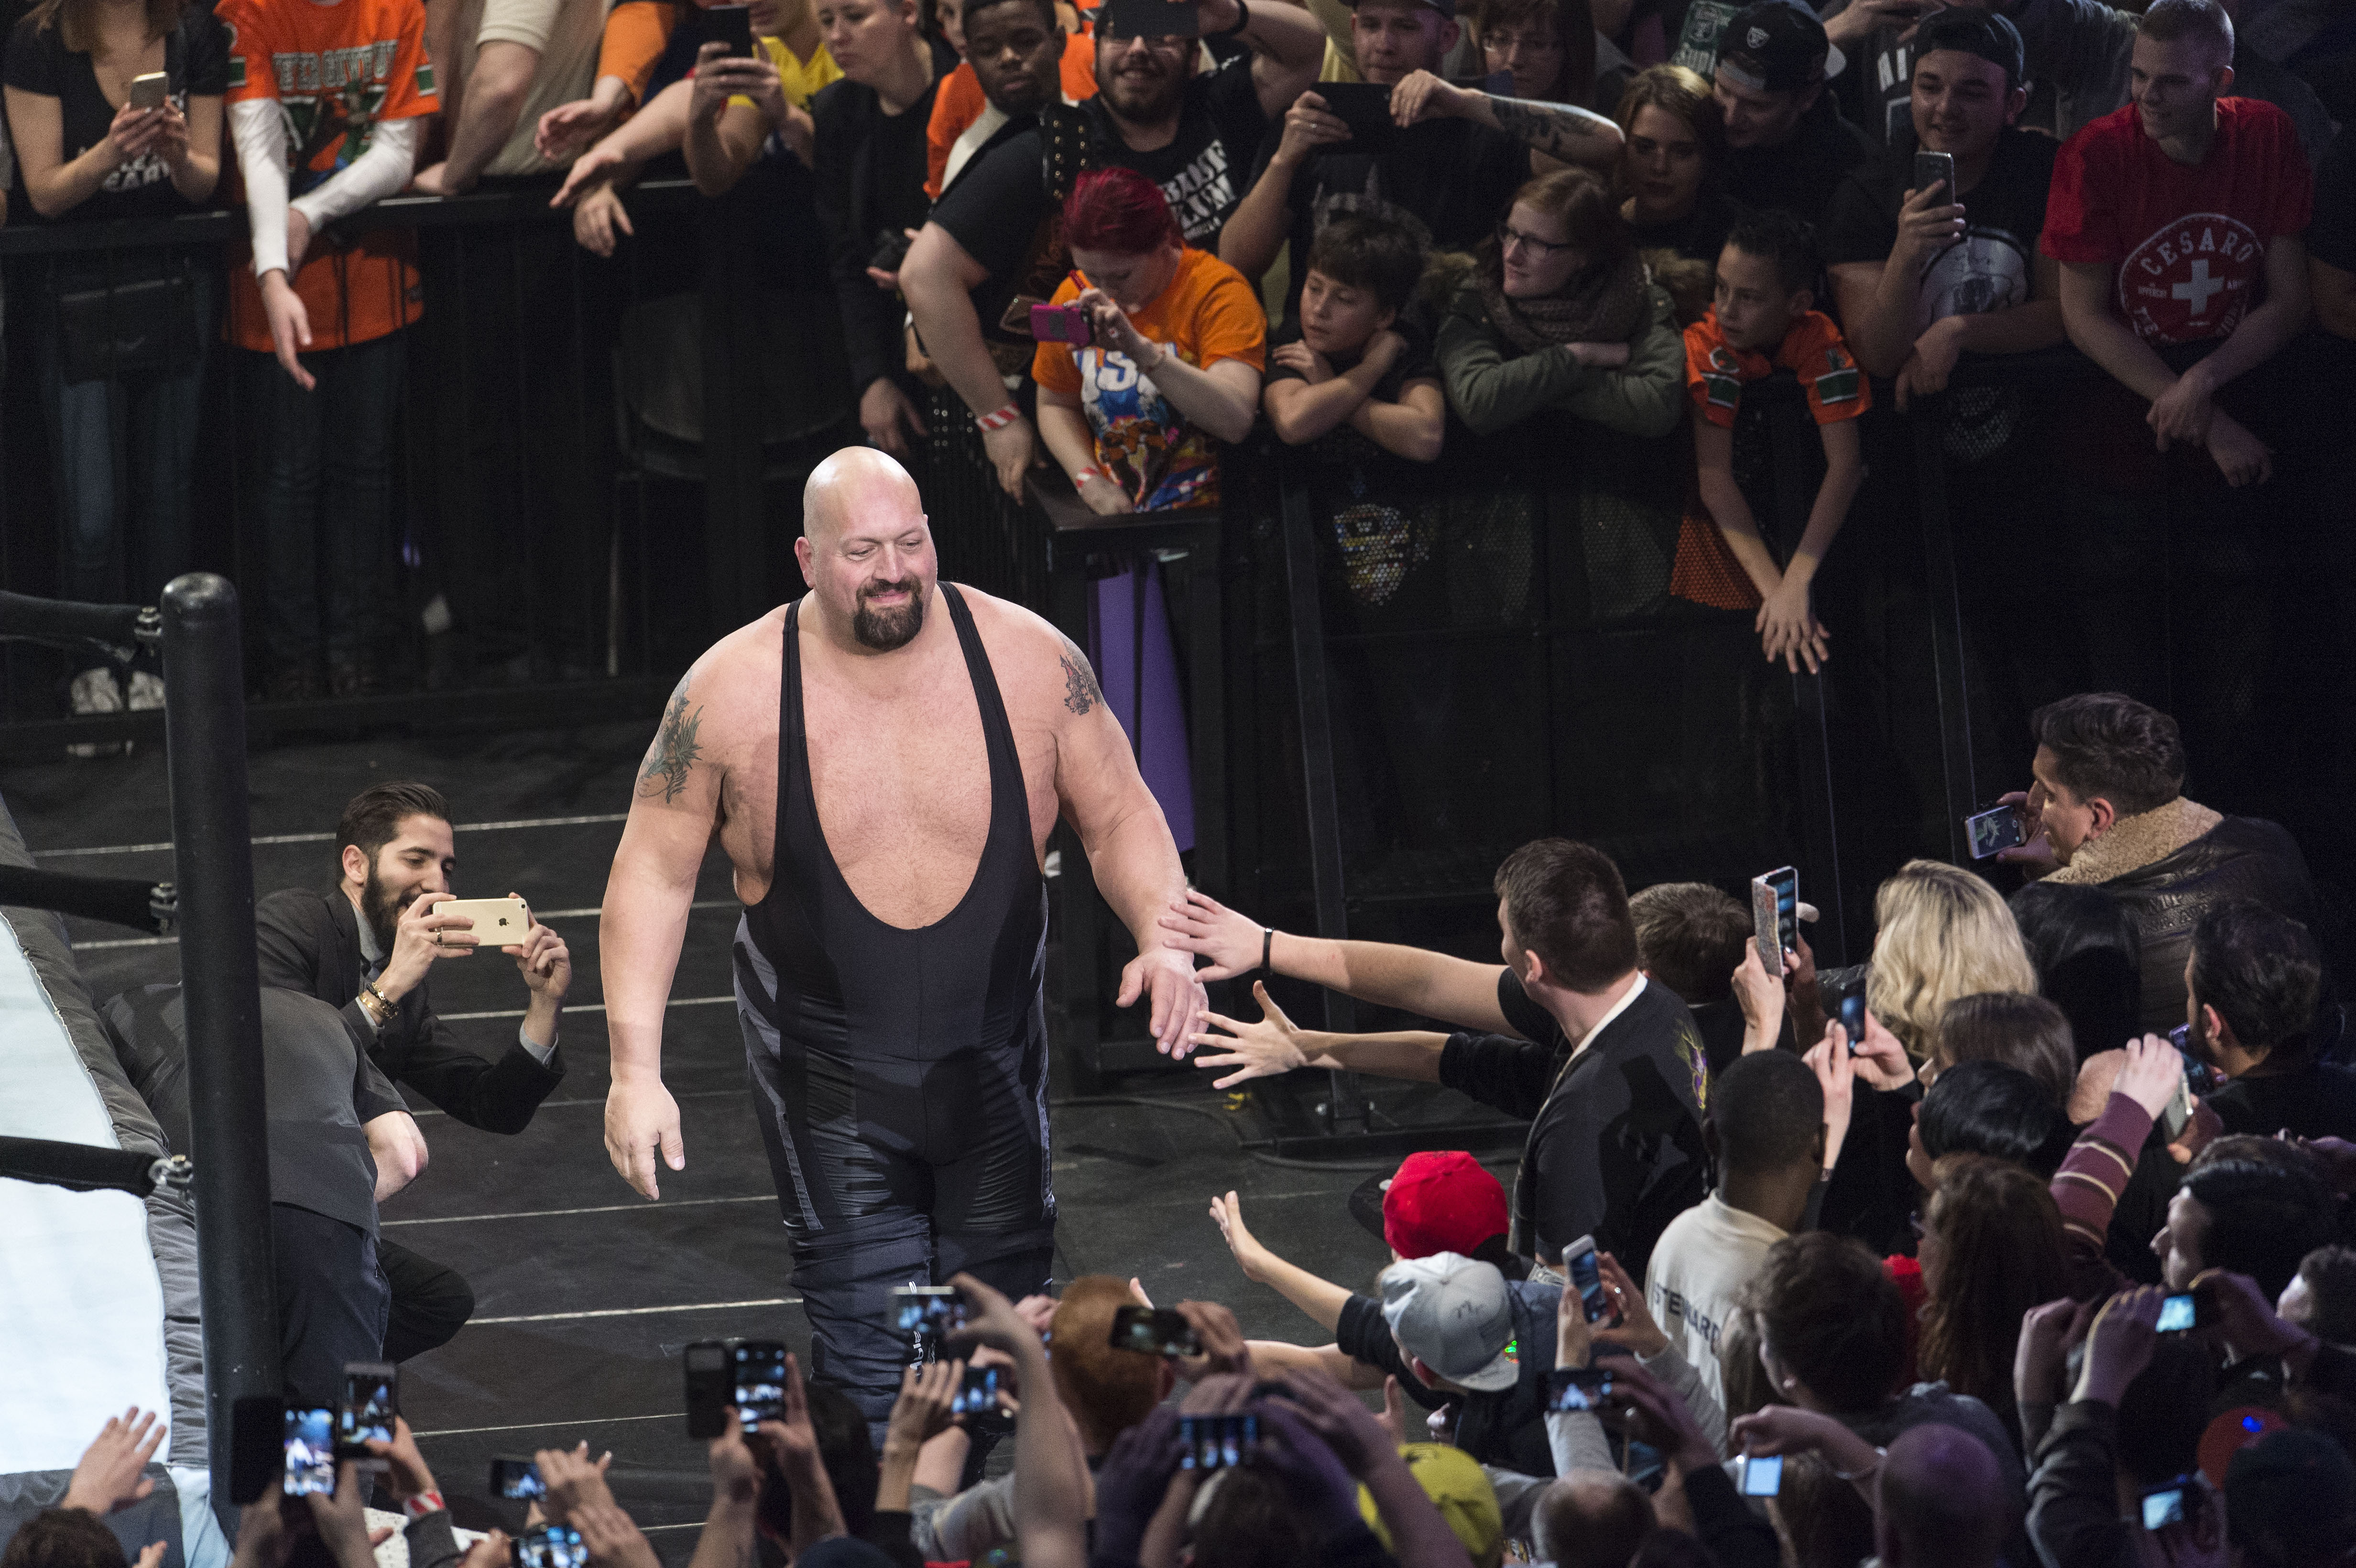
<point>1040,670</point>
<point>719,727</point>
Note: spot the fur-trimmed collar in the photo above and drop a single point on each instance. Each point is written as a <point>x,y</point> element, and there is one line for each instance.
<point>2134,842</point>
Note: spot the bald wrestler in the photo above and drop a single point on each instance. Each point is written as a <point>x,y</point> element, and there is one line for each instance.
<point>882,761</point>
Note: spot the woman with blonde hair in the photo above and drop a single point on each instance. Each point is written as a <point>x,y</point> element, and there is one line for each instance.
<point>1940,933</point>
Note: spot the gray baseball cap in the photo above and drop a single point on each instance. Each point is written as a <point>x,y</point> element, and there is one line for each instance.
<point>1454,1314</point>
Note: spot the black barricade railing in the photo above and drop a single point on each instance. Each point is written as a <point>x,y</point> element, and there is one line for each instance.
<point>592,460</point>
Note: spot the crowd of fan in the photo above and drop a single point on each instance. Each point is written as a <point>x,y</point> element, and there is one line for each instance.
<point>1053,229</point>
<point>2047,1261</point>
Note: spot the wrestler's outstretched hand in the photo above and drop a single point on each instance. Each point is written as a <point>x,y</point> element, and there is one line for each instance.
<point>1180,1003</point>
<point>640,1117</point>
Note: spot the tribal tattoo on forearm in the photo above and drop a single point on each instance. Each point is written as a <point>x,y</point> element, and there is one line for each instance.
<point>675,750</point>
<point>1557,130</point>
<point>1081,692</point>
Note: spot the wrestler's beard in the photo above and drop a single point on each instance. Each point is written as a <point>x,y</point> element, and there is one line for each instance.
<point>382,907</point>
<point>884,630</point>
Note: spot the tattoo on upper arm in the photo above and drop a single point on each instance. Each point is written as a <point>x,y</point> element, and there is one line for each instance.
<point>1557,131</point>
<point>1081,691</point>
<point>675,750</point>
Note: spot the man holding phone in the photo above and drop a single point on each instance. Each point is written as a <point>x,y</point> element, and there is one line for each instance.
<point>1932,247</point>
<point>368,946</point>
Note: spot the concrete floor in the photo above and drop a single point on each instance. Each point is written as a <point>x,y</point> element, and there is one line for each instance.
<point>585,1293</point>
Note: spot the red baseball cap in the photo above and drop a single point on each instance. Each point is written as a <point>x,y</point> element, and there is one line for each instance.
<point>1443,1202</point>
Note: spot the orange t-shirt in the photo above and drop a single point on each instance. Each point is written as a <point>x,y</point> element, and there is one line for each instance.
<point>1205,315</point>
<point>959,103</point>
<point>636,33</point>
<point>336,71</point>
<point>1814,349</point>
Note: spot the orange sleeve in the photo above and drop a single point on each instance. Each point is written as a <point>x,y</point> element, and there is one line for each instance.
<point>1056,366</point>
<point>1819,355</point>
<point>1229,323</point>
<point>409,92</point>
<point>1079,66</point>
<point>247,27</point>
<point>636,33</point>
<point>1716,388</point>
<point>956,105</point>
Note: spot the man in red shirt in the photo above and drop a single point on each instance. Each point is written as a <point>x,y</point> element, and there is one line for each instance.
<point>2178,222</point>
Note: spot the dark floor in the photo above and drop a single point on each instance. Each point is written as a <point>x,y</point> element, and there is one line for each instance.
<point>584,1293</point>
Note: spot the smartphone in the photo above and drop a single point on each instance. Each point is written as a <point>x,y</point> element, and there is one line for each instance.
<point>1365,109</point>
<point>499,923</point>
<point>929,1309</point>
<point>1061,323</point>
<point>310,1451</point>
<point>1761,1474</point>
<point>891,248</point>
<point>149,92</point>
<point>711,1379</point>
<point>1216,1442</point>
<point>978,1393</point>
<point>1935,168</point>
<point>731,25</point>
<point>2198,1075</point>
<point>2187,1310</point>
<point>550,1546</point>
<point>516,1479</point>
<point>758,1387</point>
<point>2001,828</point>
<point>1154,1331</point>
<point>1579,1388</point>
<point>1587,1278</point>
<point>2172,1120</point>
<point>1852,1016</point>
<point>2164,1506</point>
<point>372,1400</point>
<point>1775,909</point>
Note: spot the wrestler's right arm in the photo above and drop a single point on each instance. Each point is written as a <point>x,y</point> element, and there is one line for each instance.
<point>673,811</point>
<point>1412,979</point>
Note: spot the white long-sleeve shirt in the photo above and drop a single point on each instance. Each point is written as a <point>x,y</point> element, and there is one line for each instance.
<point>258,127</point>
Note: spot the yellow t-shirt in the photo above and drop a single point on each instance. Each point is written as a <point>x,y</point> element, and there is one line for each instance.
<point>800,79</point>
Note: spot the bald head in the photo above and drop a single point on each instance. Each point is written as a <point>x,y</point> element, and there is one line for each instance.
<point>866,550</point>
<point>856,483</point>
<point>1591,1519</point>
<point>1943,1503</point>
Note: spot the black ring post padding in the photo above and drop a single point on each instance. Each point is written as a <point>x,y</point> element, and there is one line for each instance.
<point>220,985</point>
<point>118,901</point>
<point>22,615</point>
<point>84,1167</point>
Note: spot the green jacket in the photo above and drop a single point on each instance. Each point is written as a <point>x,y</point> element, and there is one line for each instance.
<point>1493,385</point>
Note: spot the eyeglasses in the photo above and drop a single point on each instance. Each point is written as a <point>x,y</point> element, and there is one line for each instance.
<point>1508,236</point>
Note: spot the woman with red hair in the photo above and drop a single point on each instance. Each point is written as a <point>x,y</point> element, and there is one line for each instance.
<point>1162,354</point>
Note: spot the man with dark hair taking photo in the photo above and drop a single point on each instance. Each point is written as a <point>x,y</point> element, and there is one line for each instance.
<point>2109,810</point>
<point>1607,1066</point>
<point>2251,987</point>
<point>367,946</point>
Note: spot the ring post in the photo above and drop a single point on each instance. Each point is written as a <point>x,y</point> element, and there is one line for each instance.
<point>204,732</point>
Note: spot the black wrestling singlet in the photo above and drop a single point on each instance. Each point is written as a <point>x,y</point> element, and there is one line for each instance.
<point>901,1075</point>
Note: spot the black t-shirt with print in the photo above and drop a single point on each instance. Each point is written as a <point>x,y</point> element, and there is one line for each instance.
<point>1992,267</point>
<point>196,62</point>
<point>1449,180</point>
<point>1343,445</point>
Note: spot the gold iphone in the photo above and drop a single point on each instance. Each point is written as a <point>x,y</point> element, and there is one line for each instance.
<point>499,923</point>
<point>148,92</point>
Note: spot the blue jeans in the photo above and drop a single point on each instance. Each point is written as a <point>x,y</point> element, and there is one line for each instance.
<point>126,447</point>
<point>324,493</point>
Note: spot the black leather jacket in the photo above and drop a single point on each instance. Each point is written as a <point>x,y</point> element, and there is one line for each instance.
<point>2241,858</point>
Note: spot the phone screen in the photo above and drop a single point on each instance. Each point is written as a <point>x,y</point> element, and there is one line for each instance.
<point>310,1451</point>
<point>516,1479</point>
<point>1993,830</point>
<point>1762,1475</point>
<point>2177,1313</point>
<point>760,1393</point>
<point>551,1546</point>
<point>927,1309</point>
<point>1587,1278</point>
<point>978,1394</point>
<point>1579,1388</point>
<point>1154,1331</point>
<point>2163,1507</point>
<point>1852,1016</point>
<point>1786,884</point>
<point>371,1399</point>
<point>1216,1442</point>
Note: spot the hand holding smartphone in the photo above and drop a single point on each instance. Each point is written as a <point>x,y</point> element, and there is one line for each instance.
<point>1062,324</point>
<point>310,1453</point>
<point>1775,916</point>
<point>1154,1331</point>
<point>148,92</point>
<point>1990,831</point>
<point>1579,1262</point>
<point>371,1401</point>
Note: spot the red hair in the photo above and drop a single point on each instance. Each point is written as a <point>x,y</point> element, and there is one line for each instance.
<point>1120,211</point>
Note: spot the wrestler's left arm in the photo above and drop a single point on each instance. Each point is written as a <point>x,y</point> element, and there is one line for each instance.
<point>1129,849</point>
